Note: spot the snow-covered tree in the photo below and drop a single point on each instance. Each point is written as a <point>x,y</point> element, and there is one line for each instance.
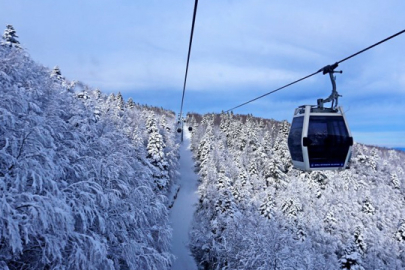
<point>156,153</point>
<point>9,37</point>
<point>57,74</point>
<point>120,101</point>
<point>130,103</point>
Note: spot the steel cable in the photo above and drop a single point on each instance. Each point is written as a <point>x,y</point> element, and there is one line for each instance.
<point>322,69</point>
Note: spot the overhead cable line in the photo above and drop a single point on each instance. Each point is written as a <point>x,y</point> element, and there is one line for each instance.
<point>188,56</point>
<point>324,70</point>
<point>271,92</point>
<point>372,46</point>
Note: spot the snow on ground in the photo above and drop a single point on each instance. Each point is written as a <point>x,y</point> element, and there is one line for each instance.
<point>183,209</point>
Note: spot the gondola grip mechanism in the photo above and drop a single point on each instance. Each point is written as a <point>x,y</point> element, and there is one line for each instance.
<point>330,69</point>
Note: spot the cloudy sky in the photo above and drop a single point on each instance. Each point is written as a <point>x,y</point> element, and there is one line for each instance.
<point>241,50</point>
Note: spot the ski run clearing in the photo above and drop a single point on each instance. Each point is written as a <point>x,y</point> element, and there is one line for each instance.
<point>182,211</point>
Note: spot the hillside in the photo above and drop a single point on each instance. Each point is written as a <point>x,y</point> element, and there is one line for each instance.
<point>256,212</point>
<point>86,181</point>
<point>84,178</point>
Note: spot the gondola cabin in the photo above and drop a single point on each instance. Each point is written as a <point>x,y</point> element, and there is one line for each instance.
<point>319,139</point>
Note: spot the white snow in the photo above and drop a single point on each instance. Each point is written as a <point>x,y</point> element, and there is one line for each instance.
<point>182,211</point>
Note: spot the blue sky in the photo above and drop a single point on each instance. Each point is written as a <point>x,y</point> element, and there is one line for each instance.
<point>241,50</point>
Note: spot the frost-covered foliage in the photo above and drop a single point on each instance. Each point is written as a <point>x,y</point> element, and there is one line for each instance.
<point>257,212</point>
<point>77,186</point>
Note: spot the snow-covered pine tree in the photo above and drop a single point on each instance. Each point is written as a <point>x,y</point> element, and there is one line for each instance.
<point>267,207</point>
<point>156,153</point>
<point>130,103</point>
<point>9,37</point>
<point>120,101</point>
<point>111,99</point>
<point>56,74</point>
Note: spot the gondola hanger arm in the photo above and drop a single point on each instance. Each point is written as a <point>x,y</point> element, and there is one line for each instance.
<point>334,96</point>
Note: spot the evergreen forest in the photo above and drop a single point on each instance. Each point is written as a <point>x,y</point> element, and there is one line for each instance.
<point>87,181</point>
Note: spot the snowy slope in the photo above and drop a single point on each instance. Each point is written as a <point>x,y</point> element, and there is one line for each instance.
<point>183,209</point>
<point>83,176</point>
<point>256,212</point>
<point>84,181</point>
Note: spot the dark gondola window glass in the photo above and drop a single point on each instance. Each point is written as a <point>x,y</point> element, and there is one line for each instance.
<point>294,139</point>
<point>329,141</point>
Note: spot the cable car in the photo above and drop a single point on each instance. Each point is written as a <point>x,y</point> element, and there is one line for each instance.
<point>320,138</point>
<point>179,126</point>
<point>180,123</point>
<point>190,128</point>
